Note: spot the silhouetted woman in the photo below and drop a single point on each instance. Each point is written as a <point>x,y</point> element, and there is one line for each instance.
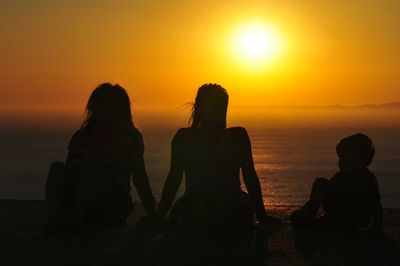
<point>211,156</point>
<point>93,186</point>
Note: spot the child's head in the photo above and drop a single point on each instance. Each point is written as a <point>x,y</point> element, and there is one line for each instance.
<point>355,152</point>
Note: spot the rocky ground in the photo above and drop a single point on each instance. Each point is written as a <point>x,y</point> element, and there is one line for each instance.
<point>21,243</point>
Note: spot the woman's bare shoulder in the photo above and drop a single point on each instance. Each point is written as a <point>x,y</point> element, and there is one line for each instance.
<point>135,133</point>
<point>238,132</point>
<point>239,136</point>
<point>182,133</point>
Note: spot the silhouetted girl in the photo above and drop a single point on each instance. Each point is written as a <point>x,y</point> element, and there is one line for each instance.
<point>211,157</point>
<point>93,186</point>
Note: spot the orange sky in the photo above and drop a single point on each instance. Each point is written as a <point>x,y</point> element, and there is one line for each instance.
<point>53,53</point>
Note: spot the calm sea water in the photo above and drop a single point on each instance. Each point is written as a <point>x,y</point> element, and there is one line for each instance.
<point>287,160</point>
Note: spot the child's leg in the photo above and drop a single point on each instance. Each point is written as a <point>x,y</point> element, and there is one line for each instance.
<point>318,195</point>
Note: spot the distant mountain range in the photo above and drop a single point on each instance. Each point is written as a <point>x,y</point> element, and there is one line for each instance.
<point>385,106</point>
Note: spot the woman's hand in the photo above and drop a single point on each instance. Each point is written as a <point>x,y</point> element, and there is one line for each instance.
<point>269,223</point>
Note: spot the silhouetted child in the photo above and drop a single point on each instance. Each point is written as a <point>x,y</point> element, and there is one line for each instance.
<point>351,198</point>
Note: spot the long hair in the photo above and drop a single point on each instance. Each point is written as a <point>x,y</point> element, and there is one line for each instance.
<point>210,107</point>
<point>110,104</point>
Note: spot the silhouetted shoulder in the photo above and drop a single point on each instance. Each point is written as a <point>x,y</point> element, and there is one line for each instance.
<point>79,138</point>
<point>238,130</point>
<point>239,134</point>
<point>180,135</point>
<point>182,131</point>
<point>133,138</point>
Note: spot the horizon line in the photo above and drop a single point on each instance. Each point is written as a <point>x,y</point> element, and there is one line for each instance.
<point>395,105</point>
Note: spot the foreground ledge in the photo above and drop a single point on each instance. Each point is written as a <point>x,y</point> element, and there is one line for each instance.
<point>21,243</point>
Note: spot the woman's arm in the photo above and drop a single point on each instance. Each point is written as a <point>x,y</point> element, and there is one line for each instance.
<point>376,206</point>
<point>250,177</point>
<point>175,175</point>
<point>141,183</point>
<point>139,177</point>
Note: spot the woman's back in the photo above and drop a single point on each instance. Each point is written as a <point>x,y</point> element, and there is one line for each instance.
<point>212,159</point>
<point>116,150</point>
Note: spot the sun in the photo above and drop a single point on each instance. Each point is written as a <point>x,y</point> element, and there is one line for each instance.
<point>256,44</point>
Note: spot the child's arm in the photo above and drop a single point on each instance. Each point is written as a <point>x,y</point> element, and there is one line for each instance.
<point>377,214</point>
<point>376,206</point>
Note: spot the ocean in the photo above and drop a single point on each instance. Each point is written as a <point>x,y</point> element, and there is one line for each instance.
<point>287,160</point>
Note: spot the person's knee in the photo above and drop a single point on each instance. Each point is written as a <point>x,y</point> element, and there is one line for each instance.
<point>54,179</point>
<point>57,170</point>
<point>321,181</point>
<point>57,166</point>
<point>320,188</point>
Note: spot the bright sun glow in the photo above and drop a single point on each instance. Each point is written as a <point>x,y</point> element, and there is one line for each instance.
<point>256,44</point>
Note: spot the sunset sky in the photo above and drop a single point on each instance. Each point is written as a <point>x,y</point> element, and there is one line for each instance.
<point>53,53</point>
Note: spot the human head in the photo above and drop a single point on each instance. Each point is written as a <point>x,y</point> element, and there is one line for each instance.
<point>210,107</point>
<point>355,152</point>
<point>110,104</point>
